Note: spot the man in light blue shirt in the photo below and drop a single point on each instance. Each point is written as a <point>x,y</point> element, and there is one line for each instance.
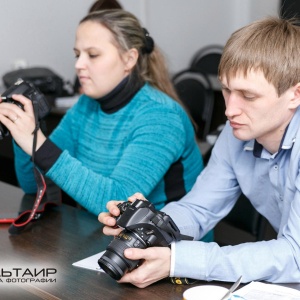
<point>257,153</point>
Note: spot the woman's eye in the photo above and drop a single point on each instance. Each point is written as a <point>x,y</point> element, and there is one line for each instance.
<point>93,55</point>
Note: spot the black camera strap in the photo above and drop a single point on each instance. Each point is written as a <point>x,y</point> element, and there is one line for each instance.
<point>53,197</point>
<point>168,225</point>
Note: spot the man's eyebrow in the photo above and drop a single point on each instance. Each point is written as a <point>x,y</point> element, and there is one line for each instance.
<point>247,91</point>
<point>224,86</point>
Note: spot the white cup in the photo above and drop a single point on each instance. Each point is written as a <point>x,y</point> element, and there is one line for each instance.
<point>205,292</point>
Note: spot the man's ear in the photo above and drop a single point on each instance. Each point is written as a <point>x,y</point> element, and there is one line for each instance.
<point>130,59</point>
<point>295,101</point>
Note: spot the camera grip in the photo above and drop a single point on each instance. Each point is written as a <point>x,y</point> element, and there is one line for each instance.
<point>43,105</point>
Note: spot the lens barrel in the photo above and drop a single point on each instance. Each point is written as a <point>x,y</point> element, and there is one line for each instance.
<point>113,261</point>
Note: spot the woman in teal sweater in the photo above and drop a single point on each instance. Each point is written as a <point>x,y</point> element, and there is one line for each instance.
<point>125,134</point>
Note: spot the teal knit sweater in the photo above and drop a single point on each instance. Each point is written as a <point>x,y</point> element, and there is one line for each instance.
<point>147,146</point>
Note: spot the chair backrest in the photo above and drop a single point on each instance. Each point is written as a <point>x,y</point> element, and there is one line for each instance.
<point>194,90</point>
<point>289,9</point>
<point>207,59</point>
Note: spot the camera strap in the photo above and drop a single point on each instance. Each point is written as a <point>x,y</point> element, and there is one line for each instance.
<point>39,206</point>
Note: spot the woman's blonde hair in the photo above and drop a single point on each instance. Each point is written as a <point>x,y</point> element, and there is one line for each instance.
<point>128,33</point>
<point>271,45</point>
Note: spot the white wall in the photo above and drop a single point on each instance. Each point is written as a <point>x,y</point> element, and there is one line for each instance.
<point>181,27</point>
<point>41,32</point>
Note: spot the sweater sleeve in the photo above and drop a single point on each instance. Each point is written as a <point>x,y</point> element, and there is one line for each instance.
<point>153,139</point>
<point>157,140</point>
<point>47,155</point>
<point>24,170</point>
<point>24,166</point>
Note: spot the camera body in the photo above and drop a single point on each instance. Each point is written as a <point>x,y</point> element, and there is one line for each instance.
<point>29,91</point>
<point>143,227</point>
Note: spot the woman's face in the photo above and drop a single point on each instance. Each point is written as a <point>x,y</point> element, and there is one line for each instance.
<point>100,67</point>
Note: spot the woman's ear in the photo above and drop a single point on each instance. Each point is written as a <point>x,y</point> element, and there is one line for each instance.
<point>295,101</point>
<point>130,59</point>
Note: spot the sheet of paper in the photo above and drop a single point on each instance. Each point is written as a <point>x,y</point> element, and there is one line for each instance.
<point>259,290</point>
<point>90,262</point>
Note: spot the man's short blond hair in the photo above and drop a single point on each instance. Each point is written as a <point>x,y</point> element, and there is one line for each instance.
<point>271,45</point>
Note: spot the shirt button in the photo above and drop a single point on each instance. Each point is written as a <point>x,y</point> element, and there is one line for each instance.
<point>276,167</point>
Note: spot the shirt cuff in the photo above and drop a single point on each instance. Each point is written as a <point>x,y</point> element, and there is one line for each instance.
<point>47,155</point>
<point>172,267</point>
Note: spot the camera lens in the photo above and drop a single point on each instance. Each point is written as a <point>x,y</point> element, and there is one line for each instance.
<point>113,261</point>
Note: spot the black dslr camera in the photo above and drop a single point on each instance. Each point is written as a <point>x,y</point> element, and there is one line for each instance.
<point>29,91</point>
<point>143,227</point>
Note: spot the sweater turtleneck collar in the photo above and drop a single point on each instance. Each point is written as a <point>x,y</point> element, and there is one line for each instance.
<point>121,94</point>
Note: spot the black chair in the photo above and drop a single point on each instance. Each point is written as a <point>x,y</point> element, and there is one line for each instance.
<point>194,90</point>
<point>207,59</point>
<point>289,9</point>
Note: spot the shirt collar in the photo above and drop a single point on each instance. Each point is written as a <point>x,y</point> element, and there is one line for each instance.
<point>287,141</point>
<point>290,135</point>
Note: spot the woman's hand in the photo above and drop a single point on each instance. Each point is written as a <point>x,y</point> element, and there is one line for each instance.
<point>21,123</point>
<point>109,218</point>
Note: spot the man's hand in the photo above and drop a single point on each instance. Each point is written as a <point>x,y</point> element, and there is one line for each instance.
<point>108,219</point>
<point>156,265</point>
<point>156,260</point>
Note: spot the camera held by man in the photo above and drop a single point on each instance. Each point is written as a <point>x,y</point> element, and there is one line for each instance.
<point>143,227</point>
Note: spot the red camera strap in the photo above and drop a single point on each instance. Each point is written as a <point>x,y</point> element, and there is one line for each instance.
<point>46,196</point>
<point>53,194</point>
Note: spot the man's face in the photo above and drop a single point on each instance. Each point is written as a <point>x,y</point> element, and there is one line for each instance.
<point>254,109</point>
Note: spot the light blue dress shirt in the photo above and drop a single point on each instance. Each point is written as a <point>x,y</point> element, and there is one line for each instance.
<point>271,183</point>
